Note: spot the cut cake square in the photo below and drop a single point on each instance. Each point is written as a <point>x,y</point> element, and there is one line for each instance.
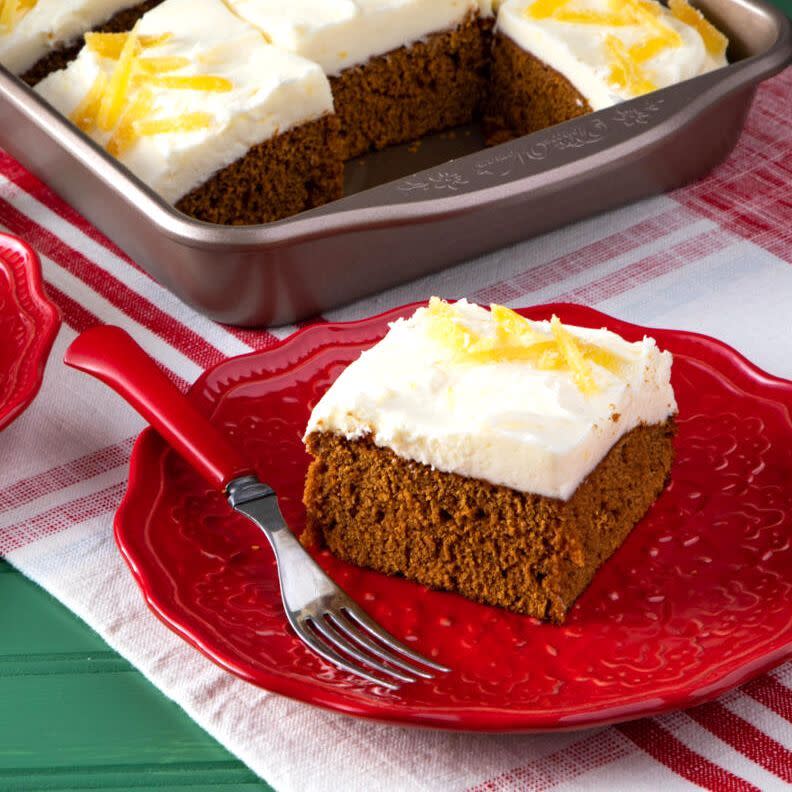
<point>554,60</point>
<point>399,69</point>
<point>38,37</point>
<point>201,108</point>
<point>480,453</point>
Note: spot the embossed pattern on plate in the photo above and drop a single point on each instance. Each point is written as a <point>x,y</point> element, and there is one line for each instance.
<point>697,600</point>
<point>29,323</point>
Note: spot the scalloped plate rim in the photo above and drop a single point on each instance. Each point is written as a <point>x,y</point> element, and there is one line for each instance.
<point>487,719</point>
<point>47,322</point>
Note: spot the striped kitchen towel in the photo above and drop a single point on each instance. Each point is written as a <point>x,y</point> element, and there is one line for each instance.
<point>715,257</point>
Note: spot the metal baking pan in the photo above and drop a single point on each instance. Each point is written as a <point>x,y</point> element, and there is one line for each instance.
<point>411,210</point>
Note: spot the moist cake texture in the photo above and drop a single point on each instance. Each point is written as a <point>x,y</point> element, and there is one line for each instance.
<point>526,95</point>
<point>194,91</point>
<point>434,84</point>
<point>556,59</point>
<point>400,69</point>
<point>480,453</point>
<point>526,553</point>
<point>41,36</point>
<point>280,177</point>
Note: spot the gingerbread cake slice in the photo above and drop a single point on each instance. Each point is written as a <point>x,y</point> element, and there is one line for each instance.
<point>399,70</point>
<point>554,60</point>
<point>38,37</point>
<point>201,108</point>
<point>477,452</point>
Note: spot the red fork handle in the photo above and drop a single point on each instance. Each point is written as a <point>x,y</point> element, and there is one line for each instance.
<point>112,356</point>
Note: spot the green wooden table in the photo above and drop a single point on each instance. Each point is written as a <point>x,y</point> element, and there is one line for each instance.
<point>74,715</point>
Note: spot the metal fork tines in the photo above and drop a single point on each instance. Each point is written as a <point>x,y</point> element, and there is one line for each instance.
<point>321,614</point>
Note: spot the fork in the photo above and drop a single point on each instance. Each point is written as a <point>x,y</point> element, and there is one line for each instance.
<point>325,619</point>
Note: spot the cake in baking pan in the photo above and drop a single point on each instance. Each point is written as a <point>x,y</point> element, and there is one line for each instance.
<point>553,60</point>
<point>245,111</point>
<point>201,108</point>
<point>38,37</point>
<point>477,452</point>
<point>400,69</point>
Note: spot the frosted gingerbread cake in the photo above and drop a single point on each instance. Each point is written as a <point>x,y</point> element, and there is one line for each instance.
<point>244,111</point>
<point>38,37</point>
<point>399,69</point>
<point>553,60</point>
<point>202,109</point>
<point>476,452</point>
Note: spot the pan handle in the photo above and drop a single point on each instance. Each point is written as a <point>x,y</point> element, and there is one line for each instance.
<point>112,356</point>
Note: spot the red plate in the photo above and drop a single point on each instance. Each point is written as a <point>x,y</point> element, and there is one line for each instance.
<point>29,323</point>
<point>698,600</point>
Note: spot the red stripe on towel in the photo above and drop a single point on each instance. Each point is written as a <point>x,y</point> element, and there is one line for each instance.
<point>138,308</point>
<point>745,738</point>
<point>770,692</point>
<point>59,518</point>
<point>57,478</point>
<point>660,744</point>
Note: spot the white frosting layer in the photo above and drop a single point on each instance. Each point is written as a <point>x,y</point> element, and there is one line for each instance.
<point>577,51</point>
<point>273,91</point>
<point>51,24</point>
<point>508,423</point>
<point>338,34</point>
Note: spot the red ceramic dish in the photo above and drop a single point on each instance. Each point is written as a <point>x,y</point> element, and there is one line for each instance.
<point>29,323</point>
<point>698,600</point>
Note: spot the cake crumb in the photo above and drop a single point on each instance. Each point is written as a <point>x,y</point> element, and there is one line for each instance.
<point>488,543</point>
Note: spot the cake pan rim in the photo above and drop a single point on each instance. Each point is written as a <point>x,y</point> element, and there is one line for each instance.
<point>338,218</point>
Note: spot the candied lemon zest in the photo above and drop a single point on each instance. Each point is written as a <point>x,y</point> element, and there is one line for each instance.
<point>110,45</point>
<point>161,65</point>
<point>624,71</point>
<point>638,10</point>
<point>517,339</point>
<point>651,6</point>
<point>544,9</point>
<point>189,122</point>
<point>197,82</point>
<point>511,328</point>
<point>543,355</point>
<point>715,42</point>
<point>589,17</point>
<point>116,94</point>
<point>602,357</point>
<point>579,366</point>
<point>149,41</point>
<point>647,14</point>
<point>84,115</point>
<point>123,102</point>
<point>8,14</point>
<point>447,330</point>
<point>125,135</point>
<point>106,45</point>
<point>12,11</point>
<point>646,50</point>
<point>620,13</point>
